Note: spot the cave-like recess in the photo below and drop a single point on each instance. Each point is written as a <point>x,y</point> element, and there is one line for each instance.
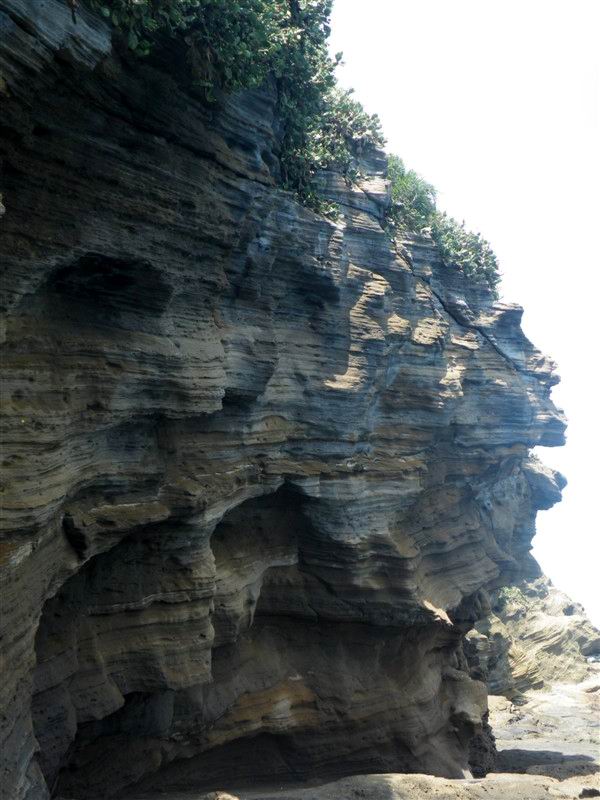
<point>182,651</point>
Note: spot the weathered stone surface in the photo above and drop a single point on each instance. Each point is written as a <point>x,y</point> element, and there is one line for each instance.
<point>537,652</point>
<point>552,732</point>
<point>258,466</point>
<point>534,636</point>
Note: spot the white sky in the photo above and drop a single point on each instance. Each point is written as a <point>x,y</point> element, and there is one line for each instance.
<point>497,103</point>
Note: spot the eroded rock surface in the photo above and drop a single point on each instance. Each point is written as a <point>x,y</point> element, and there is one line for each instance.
<point>538,654</point>
<point>554,732</point>
<point>534,636</point>
<point>260,467</point>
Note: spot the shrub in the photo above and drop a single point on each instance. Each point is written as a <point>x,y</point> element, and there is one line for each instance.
<point>511,594</point>
<point>465,250</point>
<point>414,211</point>
<point>412,197</point>
<point>232,41</point>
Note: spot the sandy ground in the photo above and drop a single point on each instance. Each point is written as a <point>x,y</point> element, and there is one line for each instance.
<point>419,787</point>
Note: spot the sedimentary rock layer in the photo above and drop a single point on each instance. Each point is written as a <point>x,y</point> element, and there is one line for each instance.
<point>534,636</point>
<point>259,466</point>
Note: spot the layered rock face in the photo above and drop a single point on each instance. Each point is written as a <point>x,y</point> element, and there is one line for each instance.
<point>533,637</point>
<point>260,467</point>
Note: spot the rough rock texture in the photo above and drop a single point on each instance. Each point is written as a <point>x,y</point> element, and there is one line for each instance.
<point>534,636</point>
<point>538,654</point>
<point>259,467</point>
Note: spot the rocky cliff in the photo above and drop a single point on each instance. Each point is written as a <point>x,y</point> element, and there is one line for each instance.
<point>260,468</point>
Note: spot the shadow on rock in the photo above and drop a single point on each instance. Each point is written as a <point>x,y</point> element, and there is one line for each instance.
<point>552,763</point>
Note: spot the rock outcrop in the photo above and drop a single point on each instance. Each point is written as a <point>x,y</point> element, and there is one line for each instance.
<point>533,637</point>
<point>538,654</point>
<point>260,468</point>
<point>552,732</point>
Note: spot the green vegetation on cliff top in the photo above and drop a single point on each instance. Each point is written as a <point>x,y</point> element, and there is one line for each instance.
<point>237,44</point>
<point>414,211</point>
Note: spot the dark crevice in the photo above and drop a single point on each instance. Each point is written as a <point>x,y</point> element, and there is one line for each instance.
<point>75,536</point>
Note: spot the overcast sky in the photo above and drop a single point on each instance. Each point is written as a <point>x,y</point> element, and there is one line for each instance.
<point>497,103</point>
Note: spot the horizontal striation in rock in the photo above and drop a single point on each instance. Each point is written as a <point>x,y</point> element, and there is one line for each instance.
<point>533,637</point>
<point>258,465</point>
